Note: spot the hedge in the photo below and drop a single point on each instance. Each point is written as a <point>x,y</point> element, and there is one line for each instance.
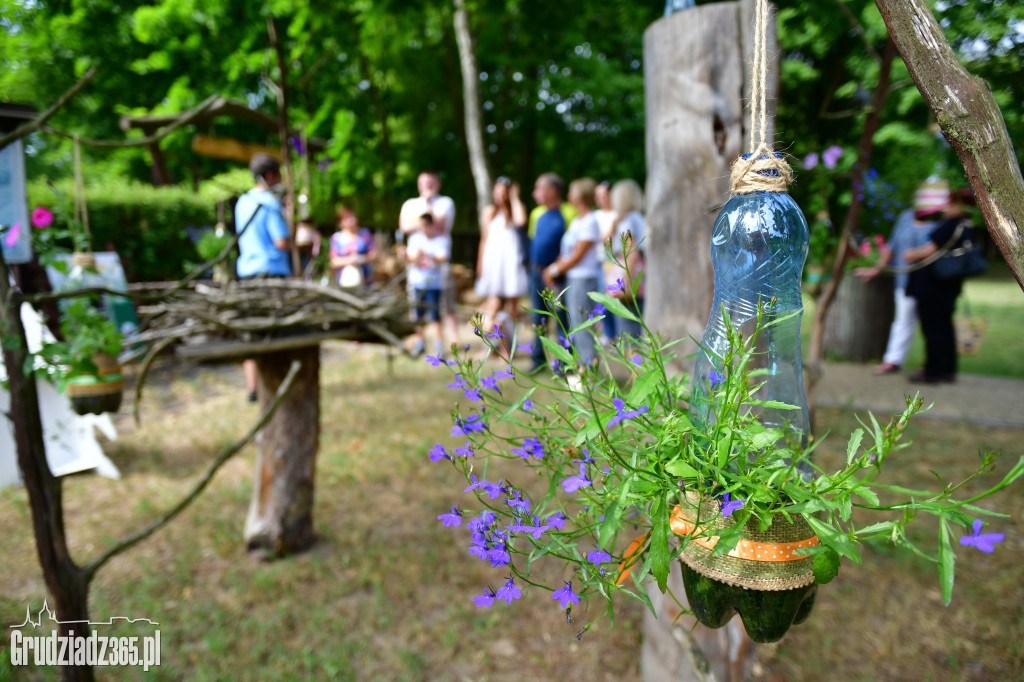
<point>152,228</point>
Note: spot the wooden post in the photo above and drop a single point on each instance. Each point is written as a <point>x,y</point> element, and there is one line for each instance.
<point>857,323</point>
<point>695,68</point>
<point>696,65</point>
<point>280,519</point>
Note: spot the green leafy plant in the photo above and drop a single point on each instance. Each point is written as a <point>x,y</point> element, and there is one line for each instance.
<point>87,332</point>
<point>588,469</point>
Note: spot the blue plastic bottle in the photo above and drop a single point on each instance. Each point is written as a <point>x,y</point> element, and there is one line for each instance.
<point>758,248</point>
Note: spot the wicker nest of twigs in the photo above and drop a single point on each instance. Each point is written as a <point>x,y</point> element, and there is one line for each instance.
<point>214,321</point>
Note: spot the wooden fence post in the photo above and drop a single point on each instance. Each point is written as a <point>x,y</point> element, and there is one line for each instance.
<point>280,519</point>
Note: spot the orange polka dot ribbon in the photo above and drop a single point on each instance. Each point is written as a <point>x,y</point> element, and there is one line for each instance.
<point>745,549</point>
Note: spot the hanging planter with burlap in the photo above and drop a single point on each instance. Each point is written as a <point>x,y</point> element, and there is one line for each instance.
<point>100,392</point>
<point>762,578</point>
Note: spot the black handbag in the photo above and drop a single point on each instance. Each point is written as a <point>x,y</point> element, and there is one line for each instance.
<point>964,261</point>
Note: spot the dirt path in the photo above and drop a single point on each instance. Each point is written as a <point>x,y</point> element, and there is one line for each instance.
<point>984,400</point>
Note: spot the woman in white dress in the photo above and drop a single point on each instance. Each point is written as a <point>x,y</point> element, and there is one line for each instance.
<point>501,273</point>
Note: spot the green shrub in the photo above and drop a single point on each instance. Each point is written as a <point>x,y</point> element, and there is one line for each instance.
<point>148,226</point>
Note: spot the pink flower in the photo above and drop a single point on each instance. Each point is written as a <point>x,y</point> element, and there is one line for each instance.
<point>880,240</point>
<point>811,160</point>
<point>42,217</point>
<point>865,248</point>
<point>11,238</point>
<point>830,157</point>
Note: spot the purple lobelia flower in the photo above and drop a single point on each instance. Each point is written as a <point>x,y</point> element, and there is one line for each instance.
<point>516,501</point>
<point>984,542</point>
<point>622,414</point>
<point>574,483</point>
<point>437,453</point>
<point>598,310</point>
<point>498,555</point>
<point>508,592</point>
<point>565,596</point>
<point>556,521</point>
<point>458,383</point>
<point>526,348</point>
<point>598,556</point>
<point>484,600</point>
<point>638,359</point>
<point>490,382</point>
<point>620,285</point>
<point>567,341</point>
<point>452,518</point>
<point>587,459</point>
<point>435,360</point>
<point>471,424</point>
<point>472,393</point>
<point>493,490</point>
<point>531,447</point>
<point>495,334</point>
<point>714,379</point>
<point>729,505</point>
<point>527,405</point>
<point>811,160</point>
<point>504,373</point>
<point>830,157</point>
<point>462,452</point>
<point>296,142</point>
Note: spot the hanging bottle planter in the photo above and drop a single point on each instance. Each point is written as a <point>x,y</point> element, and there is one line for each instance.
<point>100,392</point>
<point>761,579</point>
<point>759,244</point>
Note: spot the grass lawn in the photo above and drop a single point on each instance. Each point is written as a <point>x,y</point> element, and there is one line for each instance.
<point>995,297</point>
<point>386,592</point>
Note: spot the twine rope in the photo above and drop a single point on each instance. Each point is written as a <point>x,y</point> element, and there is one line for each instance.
<point>762,170</point>
<point>81,210</point>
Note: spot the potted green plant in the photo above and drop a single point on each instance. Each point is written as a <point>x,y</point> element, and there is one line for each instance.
<point>588,485</point>
<point>84,364</point>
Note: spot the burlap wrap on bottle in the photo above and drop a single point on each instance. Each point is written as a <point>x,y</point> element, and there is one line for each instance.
<point>760,561</point>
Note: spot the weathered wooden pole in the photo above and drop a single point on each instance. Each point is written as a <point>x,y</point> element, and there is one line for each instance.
<point>970,119</point>
<point>696,66</point>
<point>280,518</point>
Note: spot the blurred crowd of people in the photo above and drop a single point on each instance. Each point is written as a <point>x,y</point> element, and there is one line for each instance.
<point>587,237</point>
<point>936,224</point>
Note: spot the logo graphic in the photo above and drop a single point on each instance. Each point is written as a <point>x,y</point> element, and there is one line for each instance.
<point>95,649</point>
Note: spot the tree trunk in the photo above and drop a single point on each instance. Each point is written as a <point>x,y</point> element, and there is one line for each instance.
<point>66,581</point>
<point>694,72</point>
<point>471,106</point>
<point>857,323</point>
<point>280,519</point>
<point>970,119</point>
<point>865,147</point>
<point>282,131</point>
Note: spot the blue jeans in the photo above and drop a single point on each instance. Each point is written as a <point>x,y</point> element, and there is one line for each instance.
<point>580,305</point>
<point>540,322</point>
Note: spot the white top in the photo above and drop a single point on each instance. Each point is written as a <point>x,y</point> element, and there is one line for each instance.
<point>582,228</point>
<point>439,205</point>
<point>604,224</point>
<point>428,275</point>
<point>634,224</point>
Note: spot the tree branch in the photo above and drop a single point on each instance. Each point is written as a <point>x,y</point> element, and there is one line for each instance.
<point>969,118</point>
<point>37,123</point>
<point>221,459</point>
<point>142,142</point>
